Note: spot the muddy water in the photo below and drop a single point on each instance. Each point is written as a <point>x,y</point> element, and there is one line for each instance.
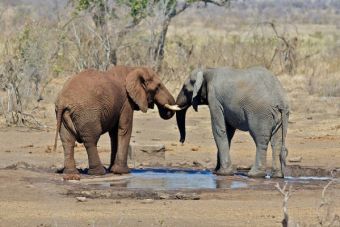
<point>171,179</point>
<point>181,179</point>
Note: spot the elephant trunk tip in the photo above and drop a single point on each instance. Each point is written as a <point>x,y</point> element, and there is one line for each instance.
<point>181,140</point>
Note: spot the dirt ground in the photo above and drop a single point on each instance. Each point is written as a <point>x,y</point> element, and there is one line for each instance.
<point>31,194</point>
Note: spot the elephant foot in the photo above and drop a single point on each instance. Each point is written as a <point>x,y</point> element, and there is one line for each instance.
<point>276,173</point>
<point>70,171</point>
<point>67,177</point>
<point>256,173</point>
<point>120,169</point>
<point>224,171</point>
<point>100,170</point>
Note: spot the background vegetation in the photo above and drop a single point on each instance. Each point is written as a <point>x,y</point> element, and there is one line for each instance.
<point>44,41</point>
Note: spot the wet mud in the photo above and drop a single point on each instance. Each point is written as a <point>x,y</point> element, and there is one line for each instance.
<point>189,184</point>
<point>174,183</point>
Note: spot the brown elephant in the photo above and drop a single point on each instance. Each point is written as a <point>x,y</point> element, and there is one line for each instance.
<point>92,103</point>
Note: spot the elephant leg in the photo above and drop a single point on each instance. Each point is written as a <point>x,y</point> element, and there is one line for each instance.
<point>124,134</point>
<point>219,130</point>
<point>95,165</point>
<point>68,142</point>
<point>230,134</point>
<point>114,144</point>
<point>276,143</point>
<point>261,138</point>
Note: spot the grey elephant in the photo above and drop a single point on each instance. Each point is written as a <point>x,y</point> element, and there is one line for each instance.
<point>251,100</point>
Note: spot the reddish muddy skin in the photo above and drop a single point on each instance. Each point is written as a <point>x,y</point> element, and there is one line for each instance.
<point>92,103</point>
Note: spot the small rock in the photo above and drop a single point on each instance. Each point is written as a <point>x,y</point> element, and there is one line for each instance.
<point>195,148</point>
<point>207,160</point>
<point>295,159</point>
<point>173,144</point>
<point>164,196</point>
<point>26,146</point>
<point>118,202</point>
<point>8,151</point>
<point>48,149</point>
<point>81,199</point>
<point>147,201</point>
<point>187,196</point>
<point>88,193</point>
<point>152,148</point>
<point>183,163</point>
<point>138,131</point>
<point>197,164</point>
<point>309,118</point>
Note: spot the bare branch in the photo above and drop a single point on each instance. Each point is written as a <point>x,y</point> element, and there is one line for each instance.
<point>327,217</point>
<point>286,194</point>
<point>217,3</point>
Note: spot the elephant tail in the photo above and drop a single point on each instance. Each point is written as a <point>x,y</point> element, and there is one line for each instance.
<point>284,150</point>
<point>59,113</point>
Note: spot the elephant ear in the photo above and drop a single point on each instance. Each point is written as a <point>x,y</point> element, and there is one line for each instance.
<point>136,89</point>
<point>197,87</point>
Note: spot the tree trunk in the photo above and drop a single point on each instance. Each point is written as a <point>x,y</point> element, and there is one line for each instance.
<point>157,52</point>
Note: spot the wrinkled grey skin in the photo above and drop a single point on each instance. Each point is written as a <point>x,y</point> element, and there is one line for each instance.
<point>246,99</point>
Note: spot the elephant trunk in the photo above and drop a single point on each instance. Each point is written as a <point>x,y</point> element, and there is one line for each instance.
<point>163,98</point>
<point>165,113</point>
<point>183,103</point>
<point>180,118</point>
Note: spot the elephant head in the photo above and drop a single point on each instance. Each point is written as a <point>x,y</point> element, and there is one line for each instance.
<point>145,88</point>
<point>193,92</point>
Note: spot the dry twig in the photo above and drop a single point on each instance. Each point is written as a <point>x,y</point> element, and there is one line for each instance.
<point>326,216</point>
<point>286,194</point>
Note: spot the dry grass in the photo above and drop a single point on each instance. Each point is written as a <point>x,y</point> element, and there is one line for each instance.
<point>308,52</point>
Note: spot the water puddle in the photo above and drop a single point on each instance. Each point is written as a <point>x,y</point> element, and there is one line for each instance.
<point>164,179</point>
<point>178,179</point>
<point>171,179</point>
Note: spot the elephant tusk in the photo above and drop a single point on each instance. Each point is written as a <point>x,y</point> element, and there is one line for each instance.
<point>172,107</point>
